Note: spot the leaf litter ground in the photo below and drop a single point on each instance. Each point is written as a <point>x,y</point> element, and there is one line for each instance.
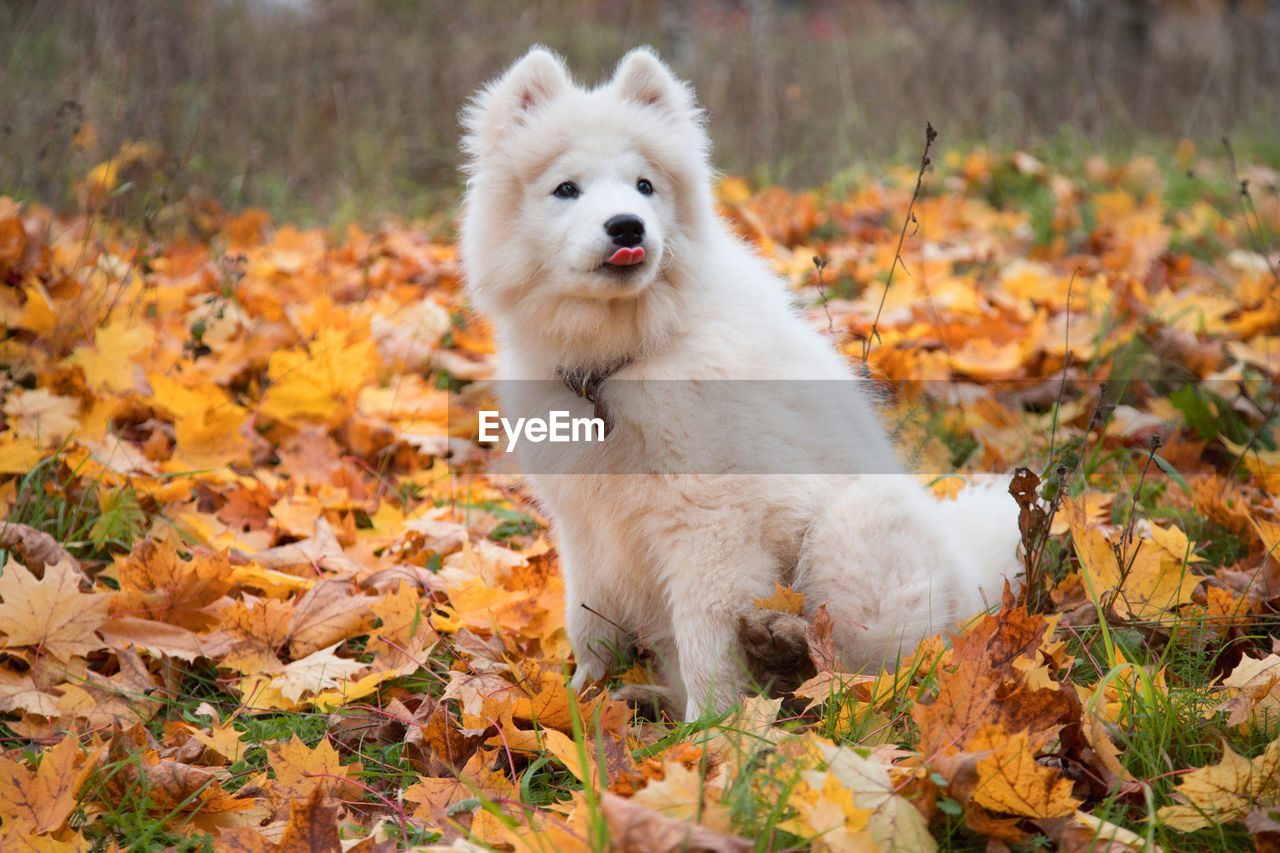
<point>262,592</point>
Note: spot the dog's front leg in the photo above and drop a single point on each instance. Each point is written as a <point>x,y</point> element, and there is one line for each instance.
<point>707,608</point>
<point>598,645</point>
<point>599,642</point>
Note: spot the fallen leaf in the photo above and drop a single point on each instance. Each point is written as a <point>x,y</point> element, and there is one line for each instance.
<point>50,615</point>
<point>1011,781</point>
<point>1226,791</point>
<point>41,801</point>
<point>633,828</point>
<point>318,671</point>
<point>301,771</point>
<point>784,599</point>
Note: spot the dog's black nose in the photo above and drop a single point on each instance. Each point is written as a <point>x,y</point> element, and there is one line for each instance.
<point>626,229</point>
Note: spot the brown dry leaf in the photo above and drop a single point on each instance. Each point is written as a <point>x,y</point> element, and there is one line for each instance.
<point>1025,488</point>
<point>1226,791</point>
<point>161,639</point>
<point>246,840</point>
<point>312,827</point>
<point>633,828</point>
<point>40,802</point>
<point>257,628</point>
<point>473,690</point>
<point>1264,829</point>
<point>325,615</point>
<point>183,792</point>
<point>321,551</point>
<point>821,645</point>
<point>447,746</point>
<point>50,614</point>
<point>986,683</point>
<point>38,548</point>
<point>19,692</point>
<point>784,599</point>
<point>122,699</point>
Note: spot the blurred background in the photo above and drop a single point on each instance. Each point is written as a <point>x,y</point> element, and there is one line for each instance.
<point>328,110</point>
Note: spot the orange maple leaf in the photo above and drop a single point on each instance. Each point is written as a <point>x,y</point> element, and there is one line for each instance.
<point>155,583</point>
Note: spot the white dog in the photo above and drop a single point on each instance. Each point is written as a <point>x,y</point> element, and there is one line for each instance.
<point>741,449</point>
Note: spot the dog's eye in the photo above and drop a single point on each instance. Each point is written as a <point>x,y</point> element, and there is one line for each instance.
<point>644,187</point>
<point>568,189</point>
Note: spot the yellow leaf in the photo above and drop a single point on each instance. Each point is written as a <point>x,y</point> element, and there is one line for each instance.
<point>1151,583</point>
<point>830,817</point>
<point>476,779</point>
<point>784,599</point>
<point>893,822</point>
<point>51,613</point>
<point>108,362</point>
<point>17,455</point>
<point>1175,543</point>
<point>224,739</point>
<point>1010,780</point>
<point>734,190</point>
<point>684,795</point>
<point>300,770</point>
<point>273,583</point>
<point>366,685</point>
<point>1226,791</point>
<point>321,382</point>
<point>206,422</point>
<point>1255,689</point>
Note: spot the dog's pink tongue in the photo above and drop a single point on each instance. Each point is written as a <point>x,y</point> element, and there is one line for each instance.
<point>627,256</point>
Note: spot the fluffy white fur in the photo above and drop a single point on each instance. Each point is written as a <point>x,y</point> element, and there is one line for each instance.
<point>674,555</point>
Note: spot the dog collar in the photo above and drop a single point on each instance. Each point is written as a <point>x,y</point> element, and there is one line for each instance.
<point>586,384</point>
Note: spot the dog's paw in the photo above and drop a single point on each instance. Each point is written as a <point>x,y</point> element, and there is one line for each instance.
<point>773,639</point>
<point>588,672</point>
<point>775,650</point>
<point>649,701</point>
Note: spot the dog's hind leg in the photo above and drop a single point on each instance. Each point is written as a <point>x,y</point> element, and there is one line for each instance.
<point>775,651</point>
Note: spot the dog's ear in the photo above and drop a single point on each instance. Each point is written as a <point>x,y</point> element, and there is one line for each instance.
<point>507,102</point>
<point>644,78</point>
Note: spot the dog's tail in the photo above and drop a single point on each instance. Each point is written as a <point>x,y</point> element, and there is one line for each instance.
<point>985,518</point>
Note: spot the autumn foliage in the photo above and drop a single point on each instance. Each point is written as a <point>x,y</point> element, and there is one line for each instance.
<point>261,586</point>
